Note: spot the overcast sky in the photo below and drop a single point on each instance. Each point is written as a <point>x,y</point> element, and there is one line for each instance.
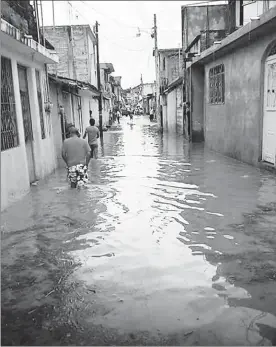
<point>119,22</point>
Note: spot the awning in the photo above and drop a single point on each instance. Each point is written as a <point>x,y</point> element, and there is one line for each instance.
<point>75,83</point>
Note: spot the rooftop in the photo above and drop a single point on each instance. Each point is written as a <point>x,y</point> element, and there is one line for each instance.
<point>107,66</point>
<point>241,37</point>
<point>26,43</point>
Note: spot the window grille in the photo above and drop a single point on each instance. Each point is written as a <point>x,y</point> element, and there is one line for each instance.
<point>25,103</point>
<point>216,85</point>
<point>9,130</point>
<point>40,104</point>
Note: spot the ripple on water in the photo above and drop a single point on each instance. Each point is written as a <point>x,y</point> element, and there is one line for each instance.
<point>137,235</point>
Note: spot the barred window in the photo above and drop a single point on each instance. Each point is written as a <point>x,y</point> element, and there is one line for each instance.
<point>9,129</point>
<point>216,85</point>
<point>40,104</point>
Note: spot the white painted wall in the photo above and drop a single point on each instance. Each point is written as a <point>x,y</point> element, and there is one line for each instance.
<point>256,8</point>
<point>56,123</point>
<point>89,103</point>
<point>14,168</point>
<point>171,111</point>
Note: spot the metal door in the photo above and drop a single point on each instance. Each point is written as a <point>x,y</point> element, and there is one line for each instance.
<point>27,120</point>
<point>269,120</point>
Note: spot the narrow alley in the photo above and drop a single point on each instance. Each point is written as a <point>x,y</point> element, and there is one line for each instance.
<point>167,246</point>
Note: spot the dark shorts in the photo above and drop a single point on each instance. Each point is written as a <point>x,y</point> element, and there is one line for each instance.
<point>94,150</point>
<point>95,146</point>
<point>78,174</point>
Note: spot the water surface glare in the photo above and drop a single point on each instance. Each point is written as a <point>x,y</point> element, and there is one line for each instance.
<point>168,244</point>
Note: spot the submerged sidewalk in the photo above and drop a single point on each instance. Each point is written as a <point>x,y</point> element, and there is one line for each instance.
<point>168,245</point>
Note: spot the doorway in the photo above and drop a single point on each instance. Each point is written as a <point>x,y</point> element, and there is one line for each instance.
<point>27,120</point>
<point>269,119</point>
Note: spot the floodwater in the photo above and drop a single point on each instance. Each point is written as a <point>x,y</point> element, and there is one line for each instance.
<point>168,245</point>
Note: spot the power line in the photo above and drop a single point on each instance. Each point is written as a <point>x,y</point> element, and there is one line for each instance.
<point>115,20</point>
<point>125,48</point>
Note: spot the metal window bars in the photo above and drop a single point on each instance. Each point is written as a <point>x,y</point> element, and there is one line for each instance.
<point>216,85</point>
<point>9,129</point>
<point>40,104</point>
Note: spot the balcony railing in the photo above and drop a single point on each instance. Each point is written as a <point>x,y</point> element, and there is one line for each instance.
<point>27,40</point>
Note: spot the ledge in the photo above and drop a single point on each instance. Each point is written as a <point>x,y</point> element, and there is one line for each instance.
<point>173,84</point>
<point>10,31</point>
<point>251,31</point>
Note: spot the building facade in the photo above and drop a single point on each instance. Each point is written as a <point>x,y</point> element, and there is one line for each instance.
<point>117,91</point>
<point>76,48</point>
<point>203,25</point>
<point>233,87</point>
<point>27,151</point>
<point>67,96</point>
<point>170,63</point>
<point>107,95</point>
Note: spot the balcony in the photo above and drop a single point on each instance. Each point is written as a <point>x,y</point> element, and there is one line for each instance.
<point>26,44</point>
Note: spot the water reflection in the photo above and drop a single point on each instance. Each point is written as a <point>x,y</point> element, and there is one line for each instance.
<point>166,239</point>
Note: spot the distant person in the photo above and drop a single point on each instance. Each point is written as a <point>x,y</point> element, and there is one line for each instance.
<point>188,114</point>
<point>118,116</point>
<point>76,154</point>
<point>93,134</point>
<point>151,114</point>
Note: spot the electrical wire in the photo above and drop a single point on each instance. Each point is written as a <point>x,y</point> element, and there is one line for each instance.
<point>125,48</point>
<point>115,20</point>
<point>115,43</point>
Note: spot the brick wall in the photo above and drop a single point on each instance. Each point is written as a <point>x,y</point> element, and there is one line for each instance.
<point>74,49</point>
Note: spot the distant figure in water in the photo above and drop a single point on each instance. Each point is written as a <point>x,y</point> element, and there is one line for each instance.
<point>131,116</point>
<point>93,134</point>
<point>118,116</point>
<point>76,154</point>
<point>151,114</point>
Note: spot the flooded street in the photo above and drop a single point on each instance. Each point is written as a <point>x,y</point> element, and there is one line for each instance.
<point>168,245</point>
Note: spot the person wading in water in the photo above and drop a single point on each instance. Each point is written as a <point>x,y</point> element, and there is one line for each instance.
<point>93,134</point>
<point>76,154</point>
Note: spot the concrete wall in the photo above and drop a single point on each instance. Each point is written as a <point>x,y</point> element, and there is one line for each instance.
<point>179,110</point>
<point>197,104</point>
<point>15,181</point>
<point>171,111</point>
<point>198,18</point>
<point>57,99</point>
<point>59,38</point>
<point>235,127</point>
<point>171,71</point>
<point>255,9</point>
<point>76,50</point>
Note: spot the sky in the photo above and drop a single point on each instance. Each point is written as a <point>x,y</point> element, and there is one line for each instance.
<point>119,21</point>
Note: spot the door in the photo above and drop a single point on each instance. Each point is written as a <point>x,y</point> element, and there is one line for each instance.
<point>269,121</point>
<point>27,120</point>
<point>80,114</point>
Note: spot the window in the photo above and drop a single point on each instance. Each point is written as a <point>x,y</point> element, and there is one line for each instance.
<point>9,130</point>
<point>216,85</point>
<point>164,64</point>
<point>40,104</point>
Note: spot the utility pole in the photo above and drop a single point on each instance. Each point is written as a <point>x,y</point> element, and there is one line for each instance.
<point>99,81</point>
<point>53,10</point>
<point>184,90</point>
<point>157,72</point>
